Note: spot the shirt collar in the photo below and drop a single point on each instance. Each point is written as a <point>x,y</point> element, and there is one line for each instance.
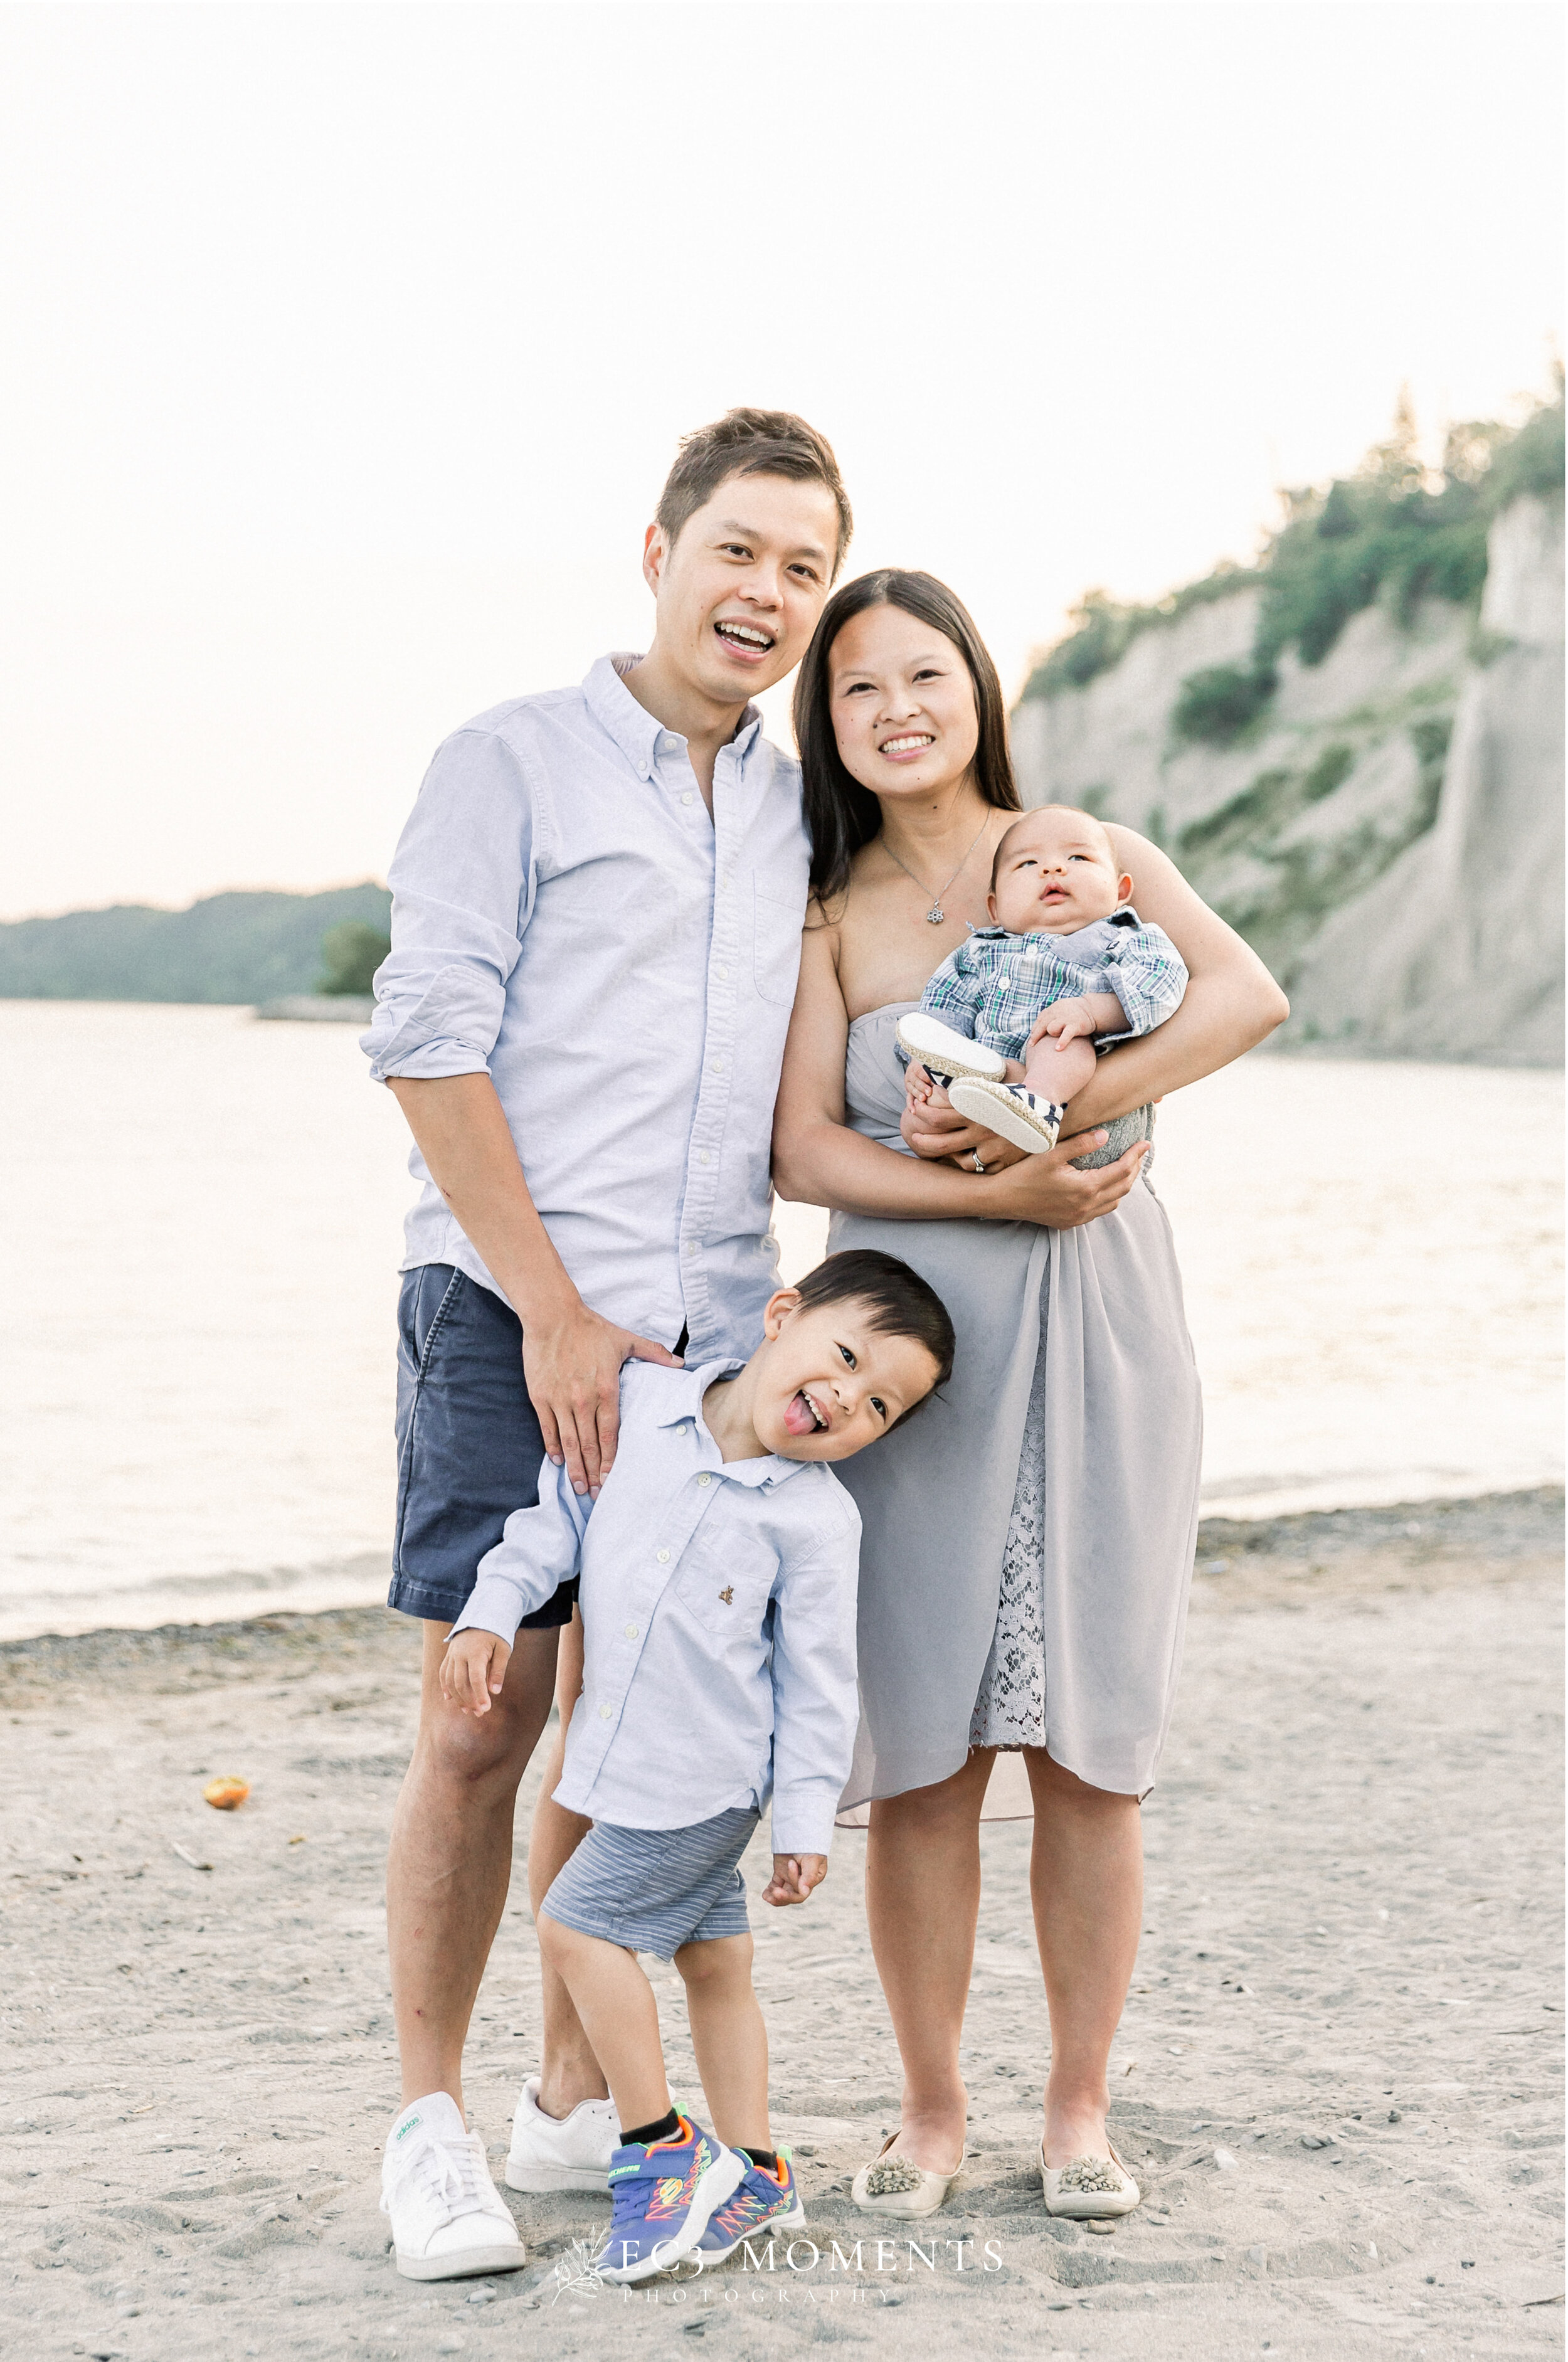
<point>637,732</point>
<point>686,1403</point>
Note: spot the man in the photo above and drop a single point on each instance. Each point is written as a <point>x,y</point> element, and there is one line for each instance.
<point>596,916</point>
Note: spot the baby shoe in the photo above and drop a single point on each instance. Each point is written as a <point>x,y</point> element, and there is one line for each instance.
<point>1012,1113</point>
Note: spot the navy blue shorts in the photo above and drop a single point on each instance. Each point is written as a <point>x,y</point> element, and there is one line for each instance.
<point>469,1445</point>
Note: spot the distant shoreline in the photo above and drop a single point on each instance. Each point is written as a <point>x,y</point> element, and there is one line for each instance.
<point>1295,1561</point>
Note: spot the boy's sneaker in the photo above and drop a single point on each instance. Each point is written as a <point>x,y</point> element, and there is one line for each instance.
<point>1012,1113</point>
<point>664,2193</point>
<point>762,2202</point>
<point>448,2217</point>
<point>572,2152</point>
<point>943,1053</point>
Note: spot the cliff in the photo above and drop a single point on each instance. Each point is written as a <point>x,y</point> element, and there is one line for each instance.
<point>1384,824</point>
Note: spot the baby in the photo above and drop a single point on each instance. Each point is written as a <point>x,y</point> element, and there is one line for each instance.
<point>1066,969</point>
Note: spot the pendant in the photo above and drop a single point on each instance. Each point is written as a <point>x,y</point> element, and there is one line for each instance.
<point>936,915</point>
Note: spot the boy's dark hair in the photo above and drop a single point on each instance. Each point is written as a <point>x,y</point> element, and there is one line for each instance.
<point>752,443</point>
<point>901,1304</point>
<point>841,815</point>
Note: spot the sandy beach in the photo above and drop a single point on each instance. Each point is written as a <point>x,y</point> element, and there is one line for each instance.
<point>1338,2075</point>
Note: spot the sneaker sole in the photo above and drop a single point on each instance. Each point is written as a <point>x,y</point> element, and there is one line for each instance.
<point>542,2177</point>
<point>985,1103</point>
<point>471,2263</point>
<point>723,2178</point>
<point>795,2220</point>
<point>967,1058</point>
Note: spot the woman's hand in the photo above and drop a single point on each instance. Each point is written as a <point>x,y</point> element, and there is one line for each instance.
<point>937,1132</point>
<point>1049,1190</point>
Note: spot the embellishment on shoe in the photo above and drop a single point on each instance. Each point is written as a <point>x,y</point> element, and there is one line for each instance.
<point>890,2175</point>
<point>728,1594</point>
<point>1093,2173</point>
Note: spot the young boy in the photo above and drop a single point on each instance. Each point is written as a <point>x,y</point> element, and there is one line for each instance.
<point>718,1590</point>
<point>1065,969</point>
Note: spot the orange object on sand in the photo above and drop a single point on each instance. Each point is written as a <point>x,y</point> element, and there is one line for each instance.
<point>224,1794</point>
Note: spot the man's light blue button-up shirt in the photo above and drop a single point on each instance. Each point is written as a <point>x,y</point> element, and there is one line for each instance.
<point>718,1611</point>
<point>567,917</point>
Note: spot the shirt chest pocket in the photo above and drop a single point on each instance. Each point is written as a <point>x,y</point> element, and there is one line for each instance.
<point>777,920</point>
<point>724,1582</point>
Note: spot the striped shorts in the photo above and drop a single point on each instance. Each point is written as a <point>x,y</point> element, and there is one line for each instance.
<point>654,1889</point>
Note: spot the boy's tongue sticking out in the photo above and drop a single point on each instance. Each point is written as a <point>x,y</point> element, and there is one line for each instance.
<point>825,1382</point>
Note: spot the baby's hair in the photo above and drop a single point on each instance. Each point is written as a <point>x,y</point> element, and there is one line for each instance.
<point>898,1301</point>
<point>1077,812</point>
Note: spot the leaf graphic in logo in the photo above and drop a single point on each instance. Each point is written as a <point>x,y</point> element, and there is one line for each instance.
<point>728,1593</point>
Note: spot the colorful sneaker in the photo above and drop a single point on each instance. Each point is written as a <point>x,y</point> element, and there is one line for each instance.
<point>664,2194</point>
<point>943,1053</point>
<point>1012,1113</point>
<point>762,2203</point>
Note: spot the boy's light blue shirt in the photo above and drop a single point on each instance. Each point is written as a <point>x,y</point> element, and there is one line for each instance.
<point>718,1610</point>
<point>568,919</point>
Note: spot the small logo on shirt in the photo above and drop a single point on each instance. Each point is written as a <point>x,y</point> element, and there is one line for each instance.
<point>728,1593</point>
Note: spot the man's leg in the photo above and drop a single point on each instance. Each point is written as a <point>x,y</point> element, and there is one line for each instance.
<point>451,1855</point>
<point>569,2071</point>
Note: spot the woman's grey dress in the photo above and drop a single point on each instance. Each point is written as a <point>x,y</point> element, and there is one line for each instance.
<point>1029,1538</point>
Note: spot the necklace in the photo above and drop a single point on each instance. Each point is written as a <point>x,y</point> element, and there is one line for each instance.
<point>936,914</point>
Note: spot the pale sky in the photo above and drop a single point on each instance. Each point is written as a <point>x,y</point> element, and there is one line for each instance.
<point>349,346</point>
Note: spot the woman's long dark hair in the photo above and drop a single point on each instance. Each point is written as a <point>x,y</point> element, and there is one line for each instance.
<point>841,815</point>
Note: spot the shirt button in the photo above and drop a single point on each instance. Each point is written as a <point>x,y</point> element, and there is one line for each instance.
<point>606,1713</point>
<point>663,1556</point>
<point>704,1479</point>
<point>718,1065</point>
<point>723,975</point>
<point>703,1157</point>
<point>685,799</point>
<point>631,1631</point>
<point>690,1246</point>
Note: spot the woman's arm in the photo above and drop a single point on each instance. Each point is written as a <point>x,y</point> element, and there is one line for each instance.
<point>818,1161</point>
<point>1231,1002</point>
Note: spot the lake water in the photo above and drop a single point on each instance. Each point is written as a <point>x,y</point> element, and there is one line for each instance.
<point>197,1351</point>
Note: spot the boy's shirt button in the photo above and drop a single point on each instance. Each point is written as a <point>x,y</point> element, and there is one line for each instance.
<point>663,1556</point>
<point>704,1478</point>
<point>631,1631</point>
<point>605,1712</point>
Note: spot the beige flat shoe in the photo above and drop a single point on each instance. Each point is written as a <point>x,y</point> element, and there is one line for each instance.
<point>1089,2189</point>
<point>894,2185</point>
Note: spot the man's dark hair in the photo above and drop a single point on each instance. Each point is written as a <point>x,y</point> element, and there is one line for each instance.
<point>752,443</point>
<point>898,1301</point>
<point>841,815</point>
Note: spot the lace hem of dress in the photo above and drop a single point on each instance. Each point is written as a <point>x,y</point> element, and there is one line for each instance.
<point>1009,1706</point>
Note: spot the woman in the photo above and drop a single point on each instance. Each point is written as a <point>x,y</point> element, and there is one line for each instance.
<point>1027,1550</point>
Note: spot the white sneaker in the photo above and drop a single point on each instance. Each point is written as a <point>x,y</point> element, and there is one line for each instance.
<point>943,1053</point>
<point>448,2217</point>
<point>573,2152</point>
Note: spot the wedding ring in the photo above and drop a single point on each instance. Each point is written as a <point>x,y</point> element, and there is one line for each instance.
<point>979,1166</point>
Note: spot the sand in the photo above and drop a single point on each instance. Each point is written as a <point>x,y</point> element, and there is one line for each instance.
<point>1337,2074</point>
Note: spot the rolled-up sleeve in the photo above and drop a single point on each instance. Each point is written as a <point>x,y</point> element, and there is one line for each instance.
<point>463,881</point>
<point>816,1703</point>
<point>1148,976</point>
<point>538,1549</point>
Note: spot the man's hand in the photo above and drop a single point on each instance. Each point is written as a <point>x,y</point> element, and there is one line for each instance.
<point>794,1875</point>
<point>473,1668</point>
<point>572,1368</point>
